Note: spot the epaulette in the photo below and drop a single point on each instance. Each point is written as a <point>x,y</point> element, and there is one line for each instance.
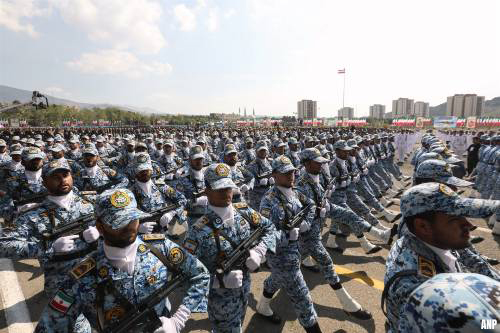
<point>152,237</point>
<point>240,205</point>
<point>201,222</point>
<point>426,267</point>
<point>83,268</point>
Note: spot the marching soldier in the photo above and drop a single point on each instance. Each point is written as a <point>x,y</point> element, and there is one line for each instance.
<point>213,238</point>
<point>106,285</point>
<point>436,241</point>
<point>261,170</point>
<point>152,196</point>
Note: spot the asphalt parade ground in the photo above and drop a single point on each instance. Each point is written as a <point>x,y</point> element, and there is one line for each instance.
<point>23,298</point>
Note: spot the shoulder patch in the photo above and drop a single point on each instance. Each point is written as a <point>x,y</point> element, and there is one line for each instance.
<point>426,267</point>
<point>266,212</point>
<point>255,218</point>
<point>153,237</point>
<point>176,255</point>
<point>170,191</point>
<point>239,205</point>
<point>61,302</point>
<point>190,245</point>
<point>83,268</point>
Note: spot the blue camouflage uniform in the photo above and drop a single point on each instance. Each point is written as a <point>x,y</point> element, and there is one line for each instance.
<point>411,261</point>
<point>105,294</point>
<point>258,168</point>
<point>452,302</point>
<point>285,263</point>
<point>310,241</point>
<point>160,193</point>
<point>211,239</point>
<point>340,211</point>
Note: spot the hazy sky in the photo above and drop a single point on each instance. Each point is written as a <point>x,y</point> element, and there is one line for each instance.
<point>207,56</point>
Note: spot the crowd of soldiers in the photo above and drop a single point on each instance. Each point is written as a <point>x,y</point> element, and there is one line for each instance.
<point>100,212</point>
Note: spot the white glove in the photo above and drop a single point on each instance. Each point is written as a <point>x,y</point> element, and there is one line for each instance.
<point>244,188</point>
<point>170,176</point>
<point>293,234</point>
<point>65,244</point>
<point>166,218</point>
<point>176,323</point>
<point>348,181</point>
<point>233,279</point>
<point>91,234</point>
<point>304,226</point>
<point>263,182</point>
<point>327,206</point>
<point>329,194</point>
<point>365,171</point>
<point>322,212</point>
<point>271,180</point>
<point>146,227</point>
<point>201,201</point>
<point>343,183</point>
<point>256,255</point>
<point>356,179</point>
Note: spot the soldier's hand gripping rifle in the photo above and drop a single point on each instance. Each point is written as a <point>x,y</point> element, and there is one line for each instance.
<point>298,218</point>
<point>143,317</point>
<point>236,259</point>
<point>73,228</point>
<point>157,214</point>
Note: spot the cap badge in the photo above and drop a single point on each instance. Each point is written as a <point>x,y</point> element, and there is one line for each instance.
<point>120,199</point>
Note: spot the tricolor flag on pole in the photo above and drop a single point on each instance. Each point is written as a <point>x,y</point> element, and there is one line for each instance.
<point>341,71</point>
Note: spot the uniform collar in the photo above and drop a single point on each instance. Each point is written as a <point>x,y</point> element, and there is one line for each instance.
<point>122,258</point>
<point>63,201</point>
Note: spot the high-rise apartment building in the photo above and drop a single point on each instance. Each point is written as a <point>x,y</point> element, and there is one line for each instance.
<point>402,108</point>
<point>377,111</point>
<point>465,105</point>
<point>346,112</point>
<point>421,109</point>
<point>307,109</point>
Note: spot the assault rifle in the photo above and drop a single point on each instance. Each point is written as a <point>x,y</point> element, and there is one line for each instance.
<point>238,256</point>
<point>157,214</point>
<point>72,228</point>
<point>143,317</point>
<point>298,218</point>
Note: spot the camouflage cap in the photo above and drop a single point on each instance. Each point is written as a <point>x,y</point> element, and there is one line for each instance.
<point>142,162</point>
<point>218,176</point>
<point>439,171</point>
<point>73,139</point>
<point>248,140</point>
<point>3,143</point>
<point>428,156</point>
<point>485,137</point>
<point>39,143</point>
<point>229,148</point>
<point>89,148</point>
<point>261,144</point>
<point>279,143</point>
<point>55,165</point>
<point>140,144</point>
<point>16,149</point>
<point>282,164</point>
<point>313,154</point>
<point>117,208</point>
<point>57,148</point>
<point>99,138</point>
<point>292,141</point>
<point>32,153</point>
<point>452,302</point>
<point>440,198</point>
<point>342,145</point>
<point>196,152</point>
<point>352,143</point>
<point>168,143</point>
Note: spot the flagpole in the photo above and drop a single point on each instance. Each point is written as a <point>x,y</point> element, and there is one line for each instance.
<point>343,91</point>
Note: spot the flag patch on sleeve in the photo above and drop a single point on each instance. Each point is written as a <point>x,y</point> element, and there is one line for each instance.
<point>61,302</point>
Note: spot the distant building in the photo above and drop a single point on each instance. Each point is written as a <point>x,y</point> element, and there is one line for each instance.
<point>307,109</point>
<point>377,111</point>
<point>346,112</point>
<point>465,105</point>
<point>402,108</point>
<point>421,109</point>
<point>225,116</point>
